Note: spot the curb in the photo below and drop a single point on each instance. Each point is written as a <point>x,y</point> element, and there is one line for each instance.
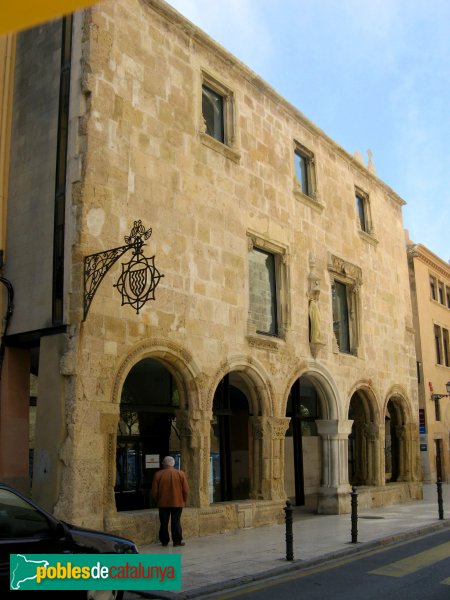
<point>299,565</point>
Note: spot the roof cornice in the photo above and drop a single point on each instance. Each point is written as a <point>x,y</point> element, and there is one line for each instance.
<point>425,255</point>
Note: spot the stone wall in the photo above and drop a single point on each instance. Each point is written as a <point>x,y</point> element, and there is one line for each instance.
<point>145,155</point>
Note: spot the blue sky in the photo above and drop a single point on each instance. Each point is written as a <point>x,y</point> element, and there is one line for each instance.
<point>372,74</point>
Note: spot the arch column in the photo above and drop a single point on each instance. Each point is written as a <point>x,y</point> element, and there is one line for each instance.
<point>195,444</point>
<point>268,457</point>
<point>374,474</point>
<point>334,492</point>
<point>408,447</point>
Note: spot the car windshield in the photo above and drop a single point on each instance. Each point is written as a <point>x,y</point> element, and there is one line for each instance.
<point>18,519</point>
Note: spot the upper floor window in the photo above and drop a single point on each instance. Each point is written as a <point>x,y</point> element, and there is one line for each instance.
<point>438,344</point>
<point>305,177</point>
<point>346,281</point>
<point>433,287</point>
<point>217,123</point>
<point>213,114</point>
<point>363,211</point>
<point>441,292</point>
<point>263,291</point>
<point>268,307</point>
<point>445,347</point>
<point>341,326</point>
<point>447,290</point>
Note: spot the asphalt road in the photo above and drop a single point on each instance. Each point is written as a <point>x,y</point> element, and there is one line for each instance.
<point>418,569</point>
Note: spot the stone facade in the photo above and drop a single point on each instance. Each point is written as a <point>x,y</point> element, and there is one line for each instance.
<point>430,292</point>
<point>139,149</point>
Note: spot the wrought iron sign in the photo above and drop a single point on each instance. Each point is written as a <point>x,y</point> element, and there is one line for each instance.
<point>139,277</point>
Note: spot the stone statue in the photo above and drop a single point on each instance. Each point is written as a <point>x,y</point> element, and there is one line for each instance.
<point>314,318</point>
<point>313,308</point>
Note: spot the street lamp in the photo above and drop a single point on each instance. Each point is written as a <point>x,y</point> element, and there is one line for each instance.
<point>439,396</point>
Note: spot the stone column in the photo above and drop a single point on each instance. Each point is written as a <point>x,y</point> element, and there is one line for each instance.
<point>268,457</point>
<point>195,444</point>
<point>400,432</point>
<point>374,474</point>
<point>334,493</point>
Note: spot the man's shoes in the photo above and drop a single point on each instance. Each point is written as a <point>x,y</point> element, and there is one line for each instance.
<point>165,544</point>
<point>180,544</point>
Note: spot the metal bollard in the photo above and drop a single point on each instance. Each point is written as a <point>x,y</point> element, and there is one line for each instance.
<point>354,495</point>
<point>440,502</point>
<point>289,533</point>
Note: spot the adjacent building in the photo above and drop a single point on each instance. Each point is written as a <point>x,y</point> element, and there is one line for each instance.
<point>430,292</point>
<point>198,270</point>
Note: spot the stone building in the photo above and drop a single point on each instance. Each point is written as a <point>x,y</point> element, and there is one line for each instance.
<point>430,293</point>
<point>198,270</point>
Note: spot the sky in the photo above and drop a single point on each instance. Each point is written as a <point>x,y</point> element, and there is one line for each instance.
<point>372,74</point>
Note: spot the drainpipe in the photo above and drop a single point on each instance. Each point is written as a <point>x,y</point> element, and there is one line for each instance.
<point>9,311</point>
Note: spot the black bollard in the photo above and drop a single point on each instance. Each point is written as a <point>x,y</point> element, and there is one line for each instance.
<point>289,534</point>
<point>440,502</point>
<point>354,495</point>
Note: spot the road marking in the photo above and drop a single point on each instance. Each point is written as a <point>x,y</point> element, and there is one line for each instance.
<point>409,565</point>
<point>446,581</point>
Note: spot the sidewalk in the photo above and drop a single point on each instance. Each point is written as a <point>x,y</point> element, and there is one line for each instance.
<point>216,562</point>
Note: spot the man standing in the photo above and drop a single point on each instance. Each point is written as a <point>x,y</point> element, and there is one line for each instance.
<point>169,489</point>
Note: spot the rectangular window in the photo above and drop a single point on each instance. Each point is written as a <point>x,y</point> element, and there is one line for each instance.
<point>445,345</point>
<point>361,211</point>
<point>441,292</point>
<point>447,291</point>
<point>340,316</point>
<point>263,291</point>
<point>346,282</point>
<point>301,171</point>
<point>305,177</point>
<point>433,287</point>
<point>437,342</point>
<point>213,113</point>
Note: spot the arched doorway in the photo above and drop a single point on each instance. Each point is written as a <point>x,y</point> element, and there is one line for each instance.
<point>393,441</point>
<point>146,433</point>
<point>362,441</point>
<point>302,442</point>
<point>230,459</point>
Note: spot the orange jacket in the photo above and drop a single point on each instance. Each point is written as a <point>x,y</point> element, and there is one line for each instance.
<point>170,488</point>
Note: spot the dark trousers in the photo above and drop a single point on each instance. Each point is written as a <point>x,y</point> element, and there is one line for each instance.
<point>174,514</point>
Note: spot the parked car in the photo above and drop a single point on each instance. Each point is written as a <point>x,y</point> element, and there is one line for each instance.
<point>26,528</point>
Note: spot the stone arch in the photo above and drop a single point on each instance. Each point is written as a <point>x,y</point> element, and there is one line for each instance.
<point>175,358</point>
<point>365,439</point>
<point>328,451</point>
<point>243,376</point>
<point>325,385</point>
<point>400,437</point>
<point>180,364</point>
<point>258,385</point>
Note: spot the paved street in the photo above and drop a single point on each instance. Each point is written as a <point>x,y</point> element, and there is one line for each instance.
<point>217,563</point>
<point>415,570</point>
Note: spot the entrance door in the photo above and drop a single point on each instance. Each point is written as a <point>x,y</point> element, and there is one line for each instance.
<point>147,432</point>
<point>301,440</point>
<point>230,460</point>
